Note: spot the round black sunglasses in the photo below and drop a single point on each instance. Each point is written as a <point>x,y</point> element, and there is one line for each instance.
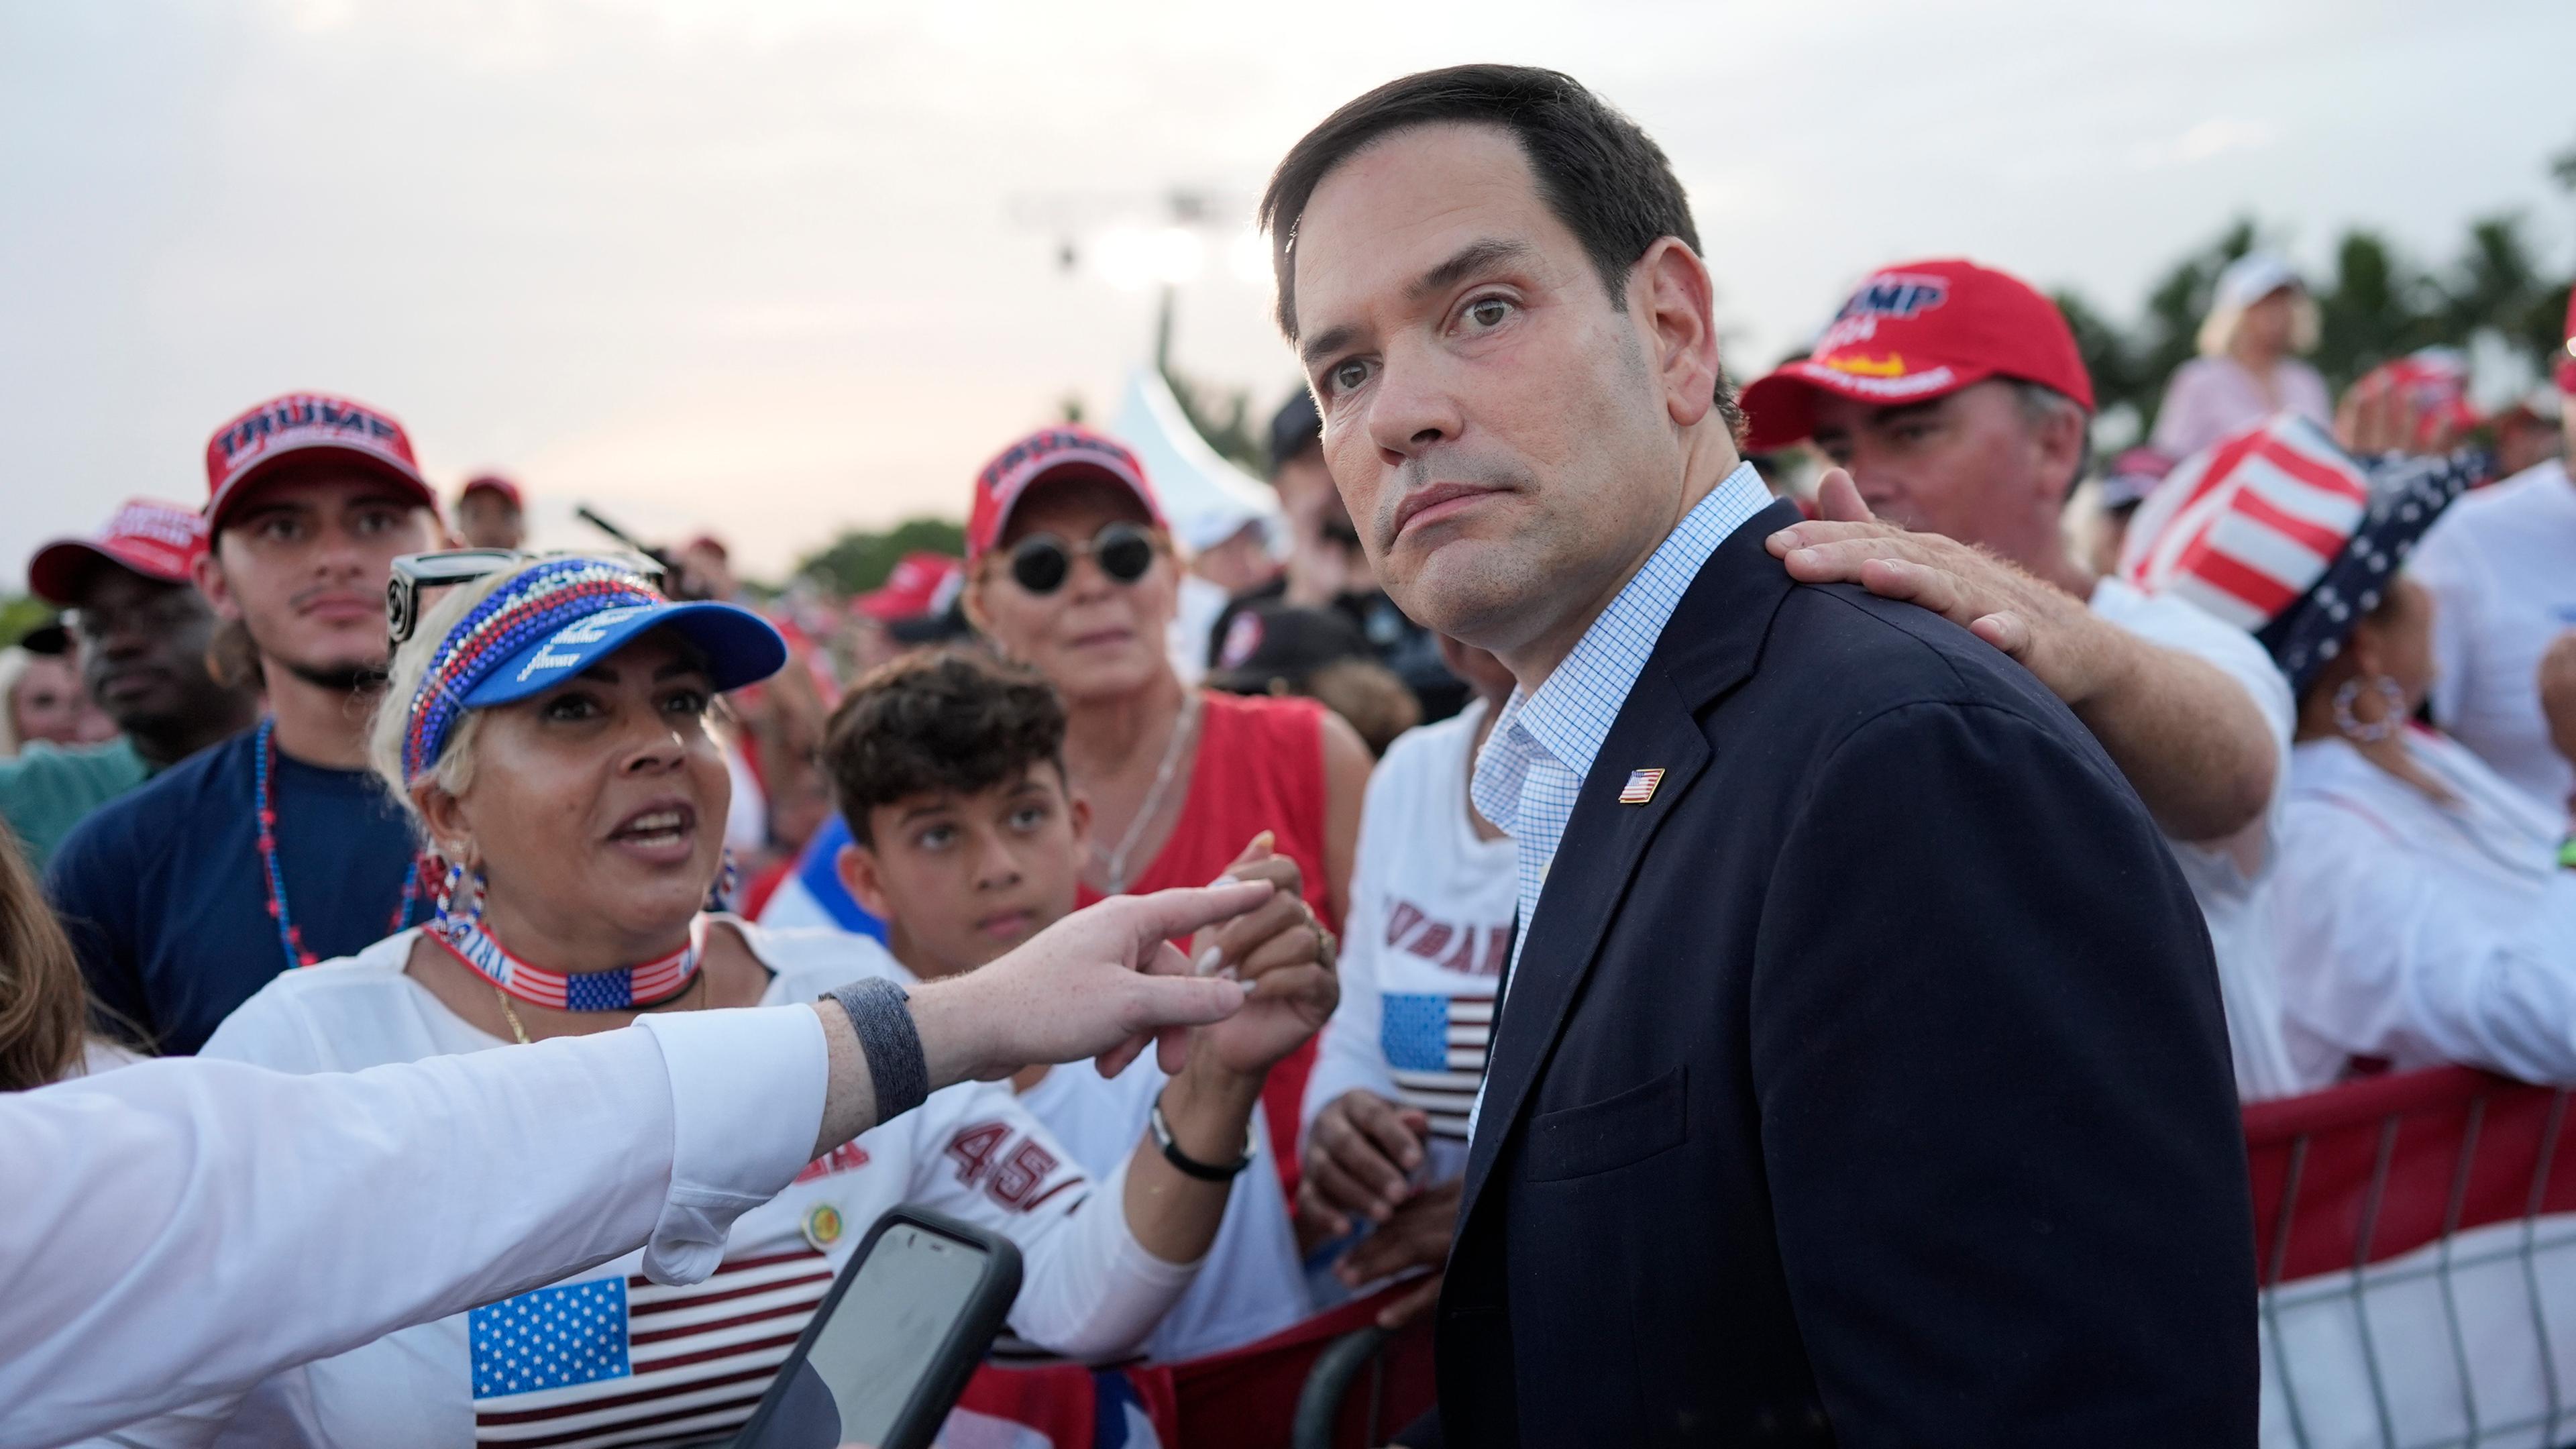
<point>1041,562</point>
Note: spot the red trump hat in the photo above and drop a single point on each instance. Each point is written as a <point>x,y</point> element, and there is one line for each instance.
<point>1059,453</point>
<point>1916,332</point>
<point>921,583</point>
<point>155,539</point>
<point>306,424</point>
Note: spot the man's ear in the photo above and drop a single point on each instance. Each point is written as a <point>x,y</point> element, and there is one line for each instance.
<point>2060,441</point>
<point>858,868</point>
<point>207,573</point>
<point>1672,297</point>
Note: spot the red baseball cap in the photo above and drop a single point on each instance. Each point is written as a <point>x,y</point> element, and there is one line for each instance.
<point>249,446</point>
<point>492,483</point>
<point>916,587</point>
<point>1059,453</point>
<point>1916,332</point>
<point>155,539</point>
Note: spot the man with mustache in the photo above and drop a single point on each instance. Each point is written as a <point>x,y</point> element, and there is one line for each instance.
<point>143,632</point>
<point>275,849</point>
<point>1859,1075</point>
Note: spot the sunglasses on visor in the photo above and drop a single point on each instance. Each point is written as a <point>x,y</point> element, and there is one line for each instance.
<point>1041,562</point>
<point>416,576</point>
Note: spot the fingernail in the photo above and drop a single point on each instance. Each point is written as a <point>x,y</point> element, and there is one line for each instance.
<point>1208,959</point>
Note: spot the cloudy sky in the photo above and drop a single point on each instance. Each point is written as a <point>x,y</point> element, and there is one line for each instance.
<point>773,267</point>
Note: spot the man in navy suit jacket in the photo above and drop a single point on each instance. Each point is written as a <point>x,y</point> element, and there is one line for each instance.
<point>1861,1076</point>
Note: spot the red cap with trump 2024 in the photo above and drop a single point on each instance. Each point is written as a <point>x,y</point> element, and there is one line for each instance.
<point>1063,452</point>
<point>302,425</point>
<point>1915,332</point>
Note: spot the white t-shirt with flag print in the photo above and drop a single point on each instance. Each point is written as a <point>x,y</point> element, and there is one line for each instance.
<point>611,1358</point>
<point>1430,927</point>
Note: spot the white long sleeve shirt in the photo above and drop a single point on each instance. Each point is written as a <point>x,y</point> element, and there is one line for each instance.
<point>181,1229</point>
<point>2419,931</point>
<point>608,1358</point>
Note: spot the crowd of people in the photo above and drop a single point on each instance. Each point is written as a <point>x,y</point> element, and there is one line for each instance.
<point>281,820</point>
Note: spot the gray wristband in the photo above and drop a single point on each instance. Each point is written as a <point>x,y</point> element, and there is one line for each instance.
<point>880,1013</point>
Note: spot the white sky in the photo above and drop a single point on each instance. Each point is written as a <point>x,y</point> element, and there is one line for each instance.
<point>767,268</point>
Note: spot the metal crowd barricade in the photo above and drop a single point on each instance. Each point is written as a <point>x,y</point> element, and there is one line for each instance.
<point>2416,1236</point>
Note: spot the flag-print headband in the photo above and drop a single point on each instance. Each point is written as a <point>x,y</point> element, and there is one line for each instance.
<point>555,619</point>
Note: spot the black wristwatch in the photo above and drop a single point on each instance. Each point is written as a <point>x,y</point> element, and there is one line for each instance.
<point>1190,1166</point>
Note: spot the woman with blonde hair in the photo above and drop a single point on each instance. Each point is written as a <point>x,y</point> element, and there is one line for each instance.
<point>2260,318</point>
<point>545,725</point>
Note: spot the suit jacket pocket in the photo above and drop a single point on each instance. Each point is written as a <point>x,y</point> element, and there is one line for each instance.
<point>1613,1132</point>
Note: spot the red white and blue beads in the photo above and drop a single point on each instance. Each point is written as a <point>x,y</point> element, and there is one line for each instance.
<point>273,875</point>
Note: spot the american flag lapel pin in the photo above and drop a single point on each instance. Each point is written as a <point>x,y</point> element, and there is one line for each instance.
<point>1640,787</point>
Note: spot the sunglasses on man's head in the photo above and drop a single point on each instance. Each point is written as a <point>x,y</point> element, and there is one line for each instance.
<point>1041,562</point>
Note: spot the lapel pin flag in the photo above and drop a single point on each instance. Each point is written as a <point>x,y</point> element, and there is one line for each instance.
<point>1640,787</point>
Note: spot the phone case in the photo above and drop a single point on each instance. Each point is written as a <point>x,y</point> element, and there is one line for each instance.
<point>916,1426</point>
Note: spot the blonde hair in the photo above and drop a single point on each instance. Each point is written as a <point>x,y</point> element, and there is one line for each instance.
<point>453,771</point>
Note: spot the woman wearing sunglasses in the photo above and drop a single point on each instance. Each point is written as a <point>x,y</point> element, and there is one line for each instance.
<point>1069,569</point>
<point>544,725</point>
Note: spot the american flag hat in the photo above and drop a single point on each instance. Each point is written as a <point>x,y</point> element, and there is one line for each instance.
<point>2277,531</point>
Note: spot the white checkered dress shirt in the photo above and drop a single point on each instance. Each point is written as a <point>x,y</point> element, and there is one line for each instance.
<point>1542,744</point>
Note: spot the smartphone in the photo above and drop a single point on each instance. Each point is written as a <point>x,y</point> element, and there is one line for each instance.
<point>887,1354</point>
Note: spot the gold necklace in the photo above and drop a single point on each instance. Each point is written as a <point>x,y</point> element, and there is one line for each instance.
<point>511,1015</point>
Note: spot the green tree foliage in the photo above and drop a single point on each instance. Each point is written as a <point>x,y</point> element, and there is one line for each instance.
<point>19,614</point>
<point>859,560</point>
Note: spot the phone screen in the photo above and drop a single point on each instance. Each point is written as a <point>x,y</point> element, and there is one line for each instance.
<point>885,1332</point>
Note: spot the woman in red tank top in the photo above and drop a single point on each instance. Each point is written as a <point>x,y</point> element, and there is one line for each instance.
<point>1070,570</point>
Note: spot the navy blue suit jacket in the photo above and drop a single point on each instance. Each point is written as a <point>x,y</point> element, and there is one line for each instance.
<point>1866,1086</point>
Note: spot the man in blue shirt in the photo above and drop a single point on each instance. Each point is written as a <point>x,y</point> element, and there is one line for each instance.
<point>277,848</point>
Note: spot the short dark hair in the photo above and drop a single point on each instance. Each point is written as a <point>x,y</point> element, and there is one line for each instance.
<point>951,720</point>
<point>1598,171</point>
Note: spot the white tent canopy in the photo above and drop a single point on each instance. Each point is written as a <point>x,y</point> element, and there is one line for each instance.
<point>1207,499</point>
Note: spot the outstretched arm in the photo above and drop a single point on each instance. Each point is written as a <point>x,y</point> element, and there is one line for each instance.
<point>2192,742</point>
<point>395,1196</point>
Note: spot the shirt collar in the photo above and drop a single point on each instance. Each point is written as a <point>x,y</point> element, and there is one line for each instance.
<point>1570,714</point>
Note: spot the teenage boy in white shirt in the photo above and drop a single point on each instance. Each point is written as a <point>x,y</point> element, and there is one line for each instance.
<point>967,841</point>
<point>1432,899</point>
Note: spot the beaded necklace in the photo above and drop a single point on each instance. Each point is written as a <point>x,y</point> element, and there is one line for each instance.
<point>264,812</point>
<point>621,988</point>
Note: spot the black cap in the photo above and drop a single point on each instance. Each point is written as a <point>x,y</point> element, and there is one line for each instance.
<point>1293,428</point>
<point>1271,647</point>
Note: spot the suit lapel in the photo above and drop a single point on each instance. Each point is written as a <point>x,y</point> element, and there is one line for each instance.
<point>1709,646</point>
